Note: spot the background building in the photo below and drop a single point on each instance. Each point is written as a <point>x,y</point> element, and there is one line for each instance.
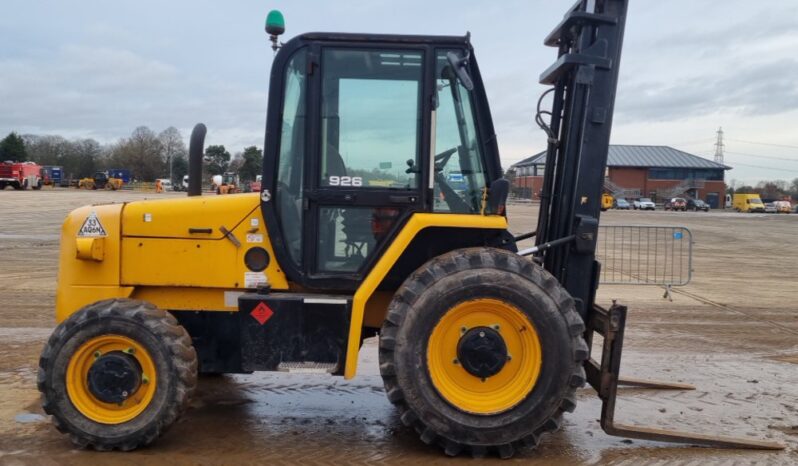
<point>658,172</point>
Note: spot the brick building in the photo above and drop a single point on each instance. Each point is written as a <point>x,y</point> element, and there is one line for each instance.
<point>658,172</point>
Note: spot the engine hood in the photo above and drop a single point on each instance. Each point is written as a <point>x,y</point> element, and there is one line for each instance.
<point>196,217</point>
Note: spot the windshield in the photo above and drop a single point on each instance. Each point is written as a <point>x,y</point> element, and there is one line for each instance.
<point>754,201</point>
<point>645,199</point>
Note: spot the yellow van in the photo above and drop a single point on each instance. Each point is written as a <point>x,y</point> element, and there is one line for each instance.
<point>606,202</point>
<point>748,203</point>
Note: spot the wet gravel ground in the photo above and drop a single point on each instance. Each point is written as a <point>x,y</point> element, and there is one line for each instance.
<point>733,333</point>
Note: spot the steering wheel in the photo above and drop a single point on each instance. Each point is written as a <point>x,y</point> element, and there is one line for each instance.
<point>440,160</point>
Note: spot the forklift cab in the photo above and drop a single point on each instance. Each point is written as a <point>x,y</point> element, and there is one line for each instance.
<point>362,132</point>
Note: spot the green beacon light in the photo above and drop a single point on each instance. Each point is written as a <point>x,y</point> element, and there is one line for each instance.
<point>275,26</point>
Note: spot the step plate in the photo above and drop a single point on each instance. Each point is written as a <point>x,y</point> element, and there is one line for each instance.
<point>307,367</point>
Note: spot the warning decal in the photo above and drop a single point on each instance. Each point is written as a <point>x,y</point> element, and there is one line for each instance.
<point>255,279</point>
<point>92,226</point>
<point>254,238</point>
<point>262,313</point>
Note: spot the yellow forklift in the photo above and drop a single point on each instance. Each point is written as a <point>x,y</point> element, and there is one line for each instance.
<point>101,180</point>
<point>359,230</point>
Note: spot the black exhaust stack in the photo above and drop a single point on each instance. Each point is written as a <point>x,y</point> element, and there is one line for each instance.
<point>195,150</point>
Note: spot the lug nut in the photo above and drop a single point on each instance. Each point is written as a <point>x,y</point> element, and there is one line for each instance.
<point>496,327</point>
<point>463,330</point>
<point>130,350</point>
<point>455,361</point>
<point>509,357</point>
<point>145,379</point>
<point>97,354</point>
<point>484,379</point>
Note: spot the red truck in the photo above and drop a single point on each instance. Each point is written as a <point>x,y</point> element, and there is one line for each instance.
<point>254,186</point>
<point>20,175</point>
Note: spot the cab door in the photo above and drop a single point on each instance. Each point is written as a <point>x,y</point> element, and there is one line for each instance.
<point>364,175</point>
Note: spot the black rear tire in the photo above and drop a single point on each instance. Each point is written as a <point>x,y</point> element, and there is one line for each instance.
<point>473,274</point>
<point>159,333</point>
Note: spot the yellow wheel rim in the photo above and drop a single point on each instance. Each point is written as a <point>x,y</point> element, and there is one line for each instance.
<point>78,385</point>
<point>503,390</point>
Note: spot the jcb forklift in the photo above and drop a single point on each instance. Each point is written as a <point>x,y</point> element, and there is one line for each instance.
<point>100,180</point>
<point>359,231</point>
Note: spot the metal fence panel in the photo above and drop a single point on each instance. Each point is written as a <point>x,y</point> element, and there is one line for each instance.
<point>645,255</point>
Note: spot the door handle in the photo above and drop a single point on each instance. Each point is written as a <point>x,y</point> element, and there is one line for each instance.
<point>403,199</point>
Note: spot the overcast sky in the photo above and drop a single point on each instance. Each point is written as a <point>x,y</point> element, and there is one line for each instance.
<point>99,68</point>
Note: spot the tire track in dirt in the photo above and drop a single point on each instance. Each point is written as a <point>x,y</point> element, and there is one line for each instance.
<point>726,307</point>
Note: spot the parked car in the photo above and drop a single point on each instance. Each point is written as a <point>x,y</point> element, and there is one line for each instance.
<point>783,207</point>
<point>770,208</point>
<point>697,204</point>
<point>644,203</point>
<point>676,203</point>
<point>622,204</point>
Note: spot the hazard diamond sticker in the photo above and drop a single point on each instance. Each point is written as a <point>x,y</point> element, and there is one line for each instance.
<point>92,226</point>
<point>261,313</point>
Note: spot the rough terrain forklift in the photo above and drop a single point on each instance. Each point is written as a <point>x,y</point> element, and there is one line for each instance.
<point>226,184</point>
<point>359,231</point>
<point>101,180</point>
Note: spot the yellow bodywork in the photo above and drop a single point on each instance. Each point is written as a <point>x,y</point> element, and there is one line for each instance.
<point>165,263</point>
<point>188,254</point>
<point>413,226</point>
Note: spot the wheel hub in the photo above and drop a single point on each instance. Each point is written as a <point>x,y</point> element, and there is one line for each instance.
<point>482,352</point>
<point>114,377</point>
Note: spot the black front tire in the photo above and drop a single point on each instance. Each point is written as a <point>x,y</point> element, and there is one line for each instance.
<point>159,333</point>
<point>420,303</point>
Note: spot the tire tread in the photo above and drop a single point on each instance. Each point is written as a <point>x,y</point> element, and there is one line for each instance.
<point>174,338</point>
<point>477,258</point>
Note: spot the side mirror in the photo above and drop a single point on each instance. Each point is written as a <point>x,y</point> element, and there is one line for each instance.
<point>459,66</point>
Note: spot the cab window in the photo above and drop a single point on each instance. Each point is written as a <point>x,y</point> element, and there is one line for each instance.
<point>371,118</point>
<point>288,192</point>
<point>459,179</point>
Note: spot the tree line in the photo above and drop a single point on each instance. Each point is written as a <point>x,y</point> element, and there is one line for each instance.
<point>774,189</point>
<point>148,155</point>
